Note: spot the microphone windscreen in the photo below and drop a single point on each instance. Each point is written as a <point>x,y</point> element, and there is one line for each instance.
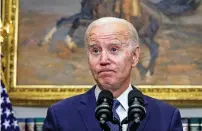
<point>105,94</point>
<point>135,94</point>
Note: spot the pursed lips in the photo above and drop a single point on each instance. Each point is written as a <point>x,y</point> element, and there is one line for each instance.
<point>105,71</point>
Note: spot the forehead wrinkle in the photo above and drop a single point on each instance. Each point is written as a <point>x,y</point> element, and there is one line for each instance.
<point>112,35</point>
<point>108,43</point>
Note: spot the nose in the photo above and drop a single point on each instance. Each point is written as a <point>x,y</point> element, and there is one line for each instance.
<point>104,58</point>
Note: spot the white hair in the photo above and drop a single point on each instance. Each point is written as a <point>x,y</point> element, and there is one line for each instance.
<point>106,20</point>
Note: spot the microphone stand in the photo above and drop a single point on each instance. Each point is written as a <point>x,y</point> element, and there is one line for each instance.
<point>135,124</point>
<point>133,127</point>
<point>104,125</point>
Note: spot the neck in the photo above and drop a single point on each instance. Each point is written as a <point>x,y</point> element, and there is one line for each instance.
<point>118,89</point>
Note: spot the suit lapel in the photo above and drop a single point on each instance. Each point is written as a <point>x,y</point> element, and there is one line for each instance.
<point>87,111</point>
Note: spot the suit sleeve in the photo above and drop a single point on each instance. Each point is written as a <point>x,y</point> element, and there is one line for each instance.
<point>176,123</point>
<point>50,122</point>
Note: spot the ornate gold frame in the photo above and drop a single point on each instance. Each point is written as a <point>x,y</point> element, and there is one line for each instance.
<point>44,95</point>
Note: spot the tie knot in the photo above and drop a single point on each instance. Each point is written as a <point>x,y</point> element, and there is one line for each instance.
<point>116,104</point>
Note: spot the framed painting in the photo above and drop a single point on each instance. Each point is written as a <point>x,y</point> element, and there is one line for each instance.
<point>44,57</point>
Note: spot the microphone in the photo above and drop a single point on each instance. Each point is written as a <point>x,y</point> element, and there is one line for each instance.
<point>103,111</point>
<point>136,111</point>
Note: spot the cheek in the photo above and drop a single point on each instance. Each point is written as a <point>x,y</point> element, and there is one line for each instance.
<point>125,59</point>
<point>128,59</point>
<point>92,64</point>
<point>125,62</point>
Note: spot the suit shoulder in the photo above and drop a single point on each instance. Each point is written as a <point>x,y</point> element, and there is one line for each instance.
<point>68,102</point>
<point>72,103</point>
<point>161,105</point>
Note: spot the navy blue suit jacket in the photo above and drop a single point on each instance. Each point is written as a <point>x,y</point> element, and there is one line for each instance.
<point>78,114</point>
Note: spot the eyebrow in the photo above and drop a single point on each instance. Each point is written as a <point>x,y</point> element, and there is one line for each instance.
<point>90,45</point>
<point>93,42</point>
<point>116,42</point>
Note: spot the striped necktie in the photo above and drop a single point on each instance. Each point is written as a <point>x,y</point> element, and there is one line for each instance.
<point>114,127</point>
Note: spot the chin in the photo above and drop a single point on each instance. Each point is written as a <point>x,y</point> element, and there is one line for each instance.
<point>109,84</point>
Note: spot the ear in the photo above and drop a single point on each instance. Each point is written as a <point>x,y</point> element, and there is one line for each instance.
<point>136,55</point>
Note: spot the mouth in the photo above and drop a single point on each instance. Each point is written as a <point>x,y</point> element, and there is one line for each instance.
<point>103,72</point>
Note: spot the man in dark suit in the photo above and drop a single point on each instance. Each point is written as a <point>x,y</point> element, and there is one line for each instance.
<point>112,48</point>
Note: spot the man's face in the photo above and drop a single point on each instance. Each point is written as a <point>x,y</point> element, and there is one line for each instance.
<point>110,55</point>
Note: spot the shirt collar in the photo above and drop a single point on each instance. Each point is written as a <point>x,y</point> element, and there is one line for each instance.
<point>123,98</point>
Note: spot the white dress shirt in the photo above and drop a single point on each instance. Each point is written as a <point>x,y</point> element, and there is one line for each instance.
<point>122,110</point>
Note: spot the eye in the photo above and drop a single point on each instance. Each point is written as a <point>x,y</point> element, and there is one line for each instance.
<point>95,51</point>
<point>113,49</point>
<point>114,46</point>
